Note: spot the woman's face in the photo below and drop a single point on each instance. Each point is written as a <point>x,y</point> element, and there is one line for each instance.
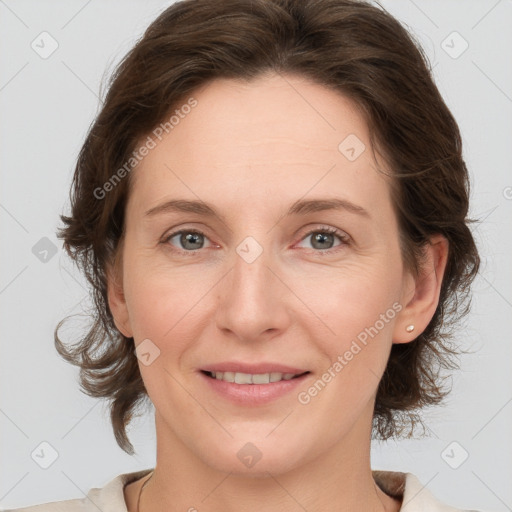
<point>261,287</point>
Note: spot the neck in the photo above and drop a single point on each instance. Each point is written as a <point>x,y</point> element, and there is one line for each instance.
<point>339,479</point>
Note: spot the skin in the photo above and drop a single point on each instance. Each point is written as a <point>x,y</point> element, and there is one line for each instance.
<point>251,150</point>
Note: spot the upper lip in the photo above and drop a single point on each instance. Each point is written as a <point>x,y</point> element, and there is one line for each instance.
<point>239,367</point>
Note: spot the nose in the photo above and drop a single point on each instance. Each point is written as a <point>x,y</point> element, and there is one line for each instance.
<point>253,301</point>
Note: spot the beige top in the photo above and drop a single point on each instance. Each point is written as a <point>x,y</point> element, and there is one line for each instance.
<point>110,498</point>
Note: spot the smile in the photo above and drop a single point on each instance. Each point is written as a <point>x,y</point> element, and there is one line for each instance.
<point>253,378</point>
<point>251,389</point>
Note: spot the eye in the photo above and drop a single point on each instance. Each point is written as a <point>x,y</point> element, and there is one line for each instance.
<point>189,240</point>
<point>324,237</point>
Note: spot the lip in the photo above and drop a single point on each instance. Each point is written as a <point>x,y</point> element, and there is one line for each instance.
<point>239,367</point>
<point>253,394</point>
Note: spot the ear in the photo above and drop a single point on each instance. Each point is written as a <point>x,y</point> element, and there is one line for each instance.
<point>420,294</point>
<point>116,298</point>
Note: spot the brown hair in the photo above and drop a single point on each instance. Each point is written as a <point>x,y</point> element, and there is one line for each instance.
<point>357,49</point>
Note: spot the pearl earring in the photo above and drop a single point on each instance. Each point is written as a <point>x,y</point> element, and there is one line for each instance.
<point>409,328</point>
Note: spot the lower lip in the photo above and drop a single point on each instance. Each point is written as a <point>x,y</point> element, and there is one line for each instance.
<point>253,394</point>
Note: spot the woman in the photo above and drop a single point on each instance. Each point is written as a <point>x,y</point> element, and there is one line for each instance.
<point>271,210</point>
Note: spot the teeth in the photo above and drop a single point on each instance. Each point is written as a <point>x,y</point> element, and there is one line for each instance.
<point>248,378</point>
<point>228,376</point>
<point>261,378</point>
<point>243,378</point>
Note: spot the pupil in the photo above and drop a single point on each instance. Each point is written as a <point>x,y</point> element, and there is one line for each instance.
<point>320,237</point>
<point>190,237</point>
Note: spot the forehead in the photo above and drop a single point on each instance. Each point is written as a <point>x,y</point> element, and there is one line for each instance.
<point>276,132</point>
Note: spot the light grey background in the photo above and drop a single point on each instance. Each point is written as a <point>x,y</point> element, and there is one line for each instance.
<point>47,104</point>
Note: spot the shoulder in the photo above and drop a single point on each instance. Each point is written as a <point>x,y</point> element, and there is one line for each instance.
<point>107,498</point>
<point>414,495</point>
<point>417,498</point>
<point>75,505</point>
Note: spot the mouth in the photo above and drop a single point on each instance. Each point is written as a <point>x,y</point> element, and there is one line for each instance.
<point>252,385</point>
<point>252,378</point>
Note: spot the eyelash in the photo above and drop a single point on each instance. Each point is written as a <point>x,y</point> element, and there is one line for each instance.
<point>343,237</point>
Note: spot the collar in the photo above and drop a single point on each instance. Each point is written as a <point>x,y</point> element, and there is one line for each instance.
<point>406,487</point>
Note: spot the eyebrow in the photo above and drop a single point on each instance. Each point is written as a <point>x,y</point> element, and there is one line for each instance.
<point>300,207</point>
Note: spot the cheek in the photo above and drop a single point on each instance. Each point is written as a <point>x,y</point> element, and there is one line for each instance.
<point>360,311</point>
<point>359,307</point>
<point>352,298</point>
<point>166,305</point>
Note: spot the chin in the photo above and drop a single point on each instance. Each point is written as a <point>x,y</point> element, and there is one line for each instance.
<point>273,464</point>
<point>255,458</point>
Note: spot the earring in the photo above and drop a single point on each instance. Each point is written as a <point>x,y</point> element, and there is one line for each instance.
<point>409,328</point>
